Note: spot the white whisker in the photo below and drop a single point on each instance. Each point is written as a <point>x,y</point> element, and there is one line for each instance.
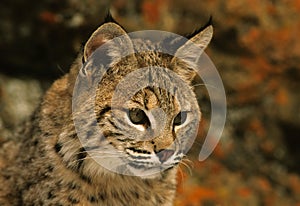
<point>187,165</point>
<point>206,85</point>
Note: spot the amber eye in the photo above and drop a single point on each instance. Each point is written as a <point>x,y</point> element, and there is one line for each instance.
<point>180,118</point>
<point>138,116</point>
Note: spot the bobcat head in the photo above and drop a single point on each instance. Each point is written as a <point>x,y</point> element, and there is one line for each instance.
<point>144,131</point>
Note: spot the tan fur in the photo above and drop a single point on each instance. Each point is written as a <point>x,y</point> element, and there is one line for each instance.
<point>43,166</point>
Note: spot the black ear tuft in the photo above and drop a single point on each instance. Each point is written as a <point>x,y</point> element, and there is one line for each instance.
<point>209,22</point>
<point>108,18</point>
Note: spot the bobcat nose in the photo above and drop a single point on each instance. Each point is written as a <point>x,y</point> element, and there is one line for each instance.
<point>164,155</point>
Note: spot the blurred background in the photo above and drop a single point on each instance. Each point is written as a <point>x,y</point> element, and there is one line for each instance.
<point>255,49</point>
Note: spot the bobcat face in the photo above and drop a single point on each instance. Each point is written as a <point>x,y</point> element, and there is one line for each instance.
<point>150,131</point>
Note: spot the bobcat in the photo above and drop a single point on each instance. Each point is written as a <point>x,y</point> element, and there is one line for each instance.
<point>48,164</point>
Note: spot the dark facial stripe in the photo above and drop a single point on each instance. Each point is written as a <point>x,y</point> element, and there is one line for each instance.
<point>103,112</point>
<point>108,133</point>
<point>113,124</point>
<point>123,140</point>
<point>137,102</point>
<point>139,150</point>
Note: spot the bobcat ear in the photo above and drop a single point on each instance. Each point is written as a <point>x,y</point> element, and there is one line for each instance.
<point>189,53</point>
<point>105,33</point>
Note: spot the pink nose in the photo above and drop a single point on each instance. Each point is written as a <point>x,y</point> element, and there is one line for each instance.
<point>164,155</point>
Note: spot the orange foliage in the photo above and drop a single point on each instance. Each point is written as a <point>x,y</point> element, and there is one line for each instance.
<point>249,40</point>
<point>269,200</point>
<point>294,183</point>
<point>273,85</point>
<point>201,129</point>
<point>151,10</point>
<point>49,17</point>
<point>257,126</point>
<point>263,184</point>
<point>281,97</point>
<point>247,93</point>
<point>268,146</point>
<point>259,68</point>
<point>219,151</point>
<point>199,165</point>
<point>267,63</point>
<point>181,178</point>
<point>201,193</point>
<point>296,4</point>
<point>271,9</point>
<point>244,192</point>
<point>239,8</point>
<point>194,195</point>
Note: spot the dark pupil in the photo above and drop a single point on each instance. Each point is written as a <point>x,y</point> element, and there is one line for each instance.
<point>180,118</point>
<point>138,116</point>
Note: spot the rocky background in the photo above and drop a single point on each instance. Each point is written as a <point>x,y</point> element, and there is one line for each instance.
<point>255,48</point>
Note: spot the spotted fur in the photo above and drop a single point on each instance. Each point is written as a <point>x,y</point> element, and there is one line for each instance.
<point>49,165</point>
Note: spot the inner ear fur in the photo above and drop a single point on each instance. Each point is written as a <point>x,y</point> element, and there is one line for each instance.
<point>186,57</point>
<point>103,34</point>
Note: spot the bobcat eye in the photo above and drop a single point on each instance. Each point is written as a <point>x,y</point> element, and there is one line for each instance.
<point>180,118</point>
<point>138,116</point>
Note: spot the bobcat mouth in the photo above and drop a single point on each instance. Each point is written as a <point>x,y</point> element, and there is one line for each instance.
<point>149,162</point>
<point>147,165</point>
